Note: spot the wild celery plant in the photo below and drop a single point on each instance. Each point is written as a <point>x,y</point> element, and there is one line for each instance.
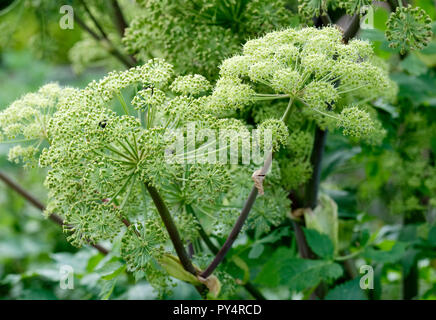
<point>320,78</point>
<point>332,83</point>
<point>106,169</point>
<point>108,174</point>
<point>196,35</point>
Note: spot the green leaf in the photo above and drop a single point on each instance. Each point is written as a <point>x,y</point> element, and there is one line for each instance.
<point>111,269</point>
<point>432,236</point>
<point>258,247</point>
<point>256,251</point>
<point>382,256</point>
<point>172,265</point>
<point>349,290</point>
<point>243,266</point>
<point>297,274</point>
<point>324,219</point>
<point>107,289</point>
<point>93,262</point>
<point>413,65</point>
<point>320,243</point>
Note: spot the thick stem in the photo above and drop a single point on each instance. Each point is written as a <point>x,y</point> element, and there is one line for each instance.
<point>233,234</point>
<point>245,210</point>
<point>171,228</point>
<point>312,187</point>
<point>214,249</point>
<point>352,28</point>
<point>411,279</point>
<point>303,248</point>
<point>39,205</point>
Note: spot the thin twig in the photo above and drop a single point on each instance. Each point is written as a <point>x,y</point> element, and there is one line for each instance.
<point>120,21</point>
<point>107,43</point>
<point>39,205</point>
<point>94,20</point>
<point>84,26</point>
<point>109,46</point>
<point>233,234</point>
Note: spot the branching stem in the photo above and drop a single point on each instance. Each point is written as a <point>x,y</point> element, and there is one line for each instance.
<point>102,38</point>
<point>171,228</point>
<point>214,249</point>
<point>39,205</point>
<point>219,257</point>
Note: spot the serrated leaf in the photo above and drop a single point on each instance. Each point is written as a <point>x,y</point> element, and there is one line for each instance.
<point>349,290</point>
<point>320,243</point>
<point>297,274</point>
<point>107,289</point>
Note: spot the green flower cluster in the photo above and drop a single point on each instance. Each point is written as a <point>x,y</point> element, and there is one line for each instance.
<point>311,66</point>
<point>106,143</point>
<point>109,142</point>
<point>409,28</point>
<point>353,6</point>
<point>25,121</point>
<point>196,35</point>
<point>311,8</point>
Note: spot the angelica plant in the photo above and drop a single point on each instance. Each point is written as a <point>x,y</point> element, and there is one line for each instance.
<point>312,69</point>
<point>329,80</point>
<point>112,166</point>
<point>109,167</point>
<point>197,35</point>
